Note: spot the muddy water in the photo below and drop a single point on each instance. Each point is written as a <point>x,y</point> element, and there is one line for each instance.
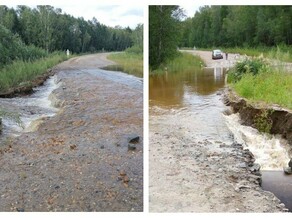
<point>196,94</point>
<point>28,108</point>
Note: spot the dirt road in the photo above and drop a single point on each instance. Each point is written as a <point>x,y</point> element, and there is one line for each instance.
<point>195,166</point>
<point>79,160</point>
<point>207,58</point>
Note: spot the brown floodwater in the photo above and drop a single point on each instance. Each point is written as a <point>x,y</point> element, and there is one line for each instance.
<point>195,94</point>
<point>174,90</point>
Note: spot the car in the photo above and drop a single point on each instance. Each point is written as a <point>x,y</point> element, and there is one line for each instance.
<point>217,54</point>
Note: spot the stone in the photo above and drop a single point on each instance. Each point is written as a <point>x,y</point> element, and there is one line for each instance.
<point>288,170</point>
<point>133,139</point>
<point>73,147</point>
<point>126,179</point>
<point>289,164</point>
<point>255,167</point>
<point>242,165</point>
<point>122,173</point>
<point>131,147</point>
<point>20,209</point>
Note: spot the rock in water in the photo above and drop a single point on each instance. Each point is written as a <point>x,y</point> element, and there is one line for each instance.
<point>133,139</point>
<point>288,170</point>
<point>289,164</point>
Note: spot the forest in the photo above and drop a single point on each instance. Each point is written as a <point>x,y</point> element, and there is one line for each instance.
<point>254,27</point>
<point>238,26</point>
<point>30,33</point>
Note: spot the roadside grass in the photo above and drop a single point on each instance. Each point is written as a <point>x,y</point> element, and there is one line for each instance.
<point>270,85</point>
<point>184,62</point>
<point>21,73</point>
<point>131,63</point>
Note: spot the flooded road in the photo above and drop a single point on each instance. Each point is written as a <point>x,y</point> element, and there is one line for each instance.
<point>80,158</point>
<point>194,164</point>
<point>28,108</point>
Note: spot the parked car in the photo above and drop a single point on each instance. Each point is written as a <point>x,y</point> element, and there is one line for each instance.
<point>217,54</point>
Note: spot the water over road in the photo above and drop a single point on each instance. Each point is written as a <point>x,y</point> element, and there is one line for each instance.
<point>195,166</point>
<point>78,159</point>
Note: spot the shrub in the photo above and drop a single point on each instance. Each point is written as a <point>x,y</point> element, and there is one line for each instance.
<point>249,65</point>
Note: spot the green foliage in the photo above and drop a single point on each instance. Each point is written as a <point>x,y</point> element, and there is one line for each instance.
<point>135,49</point>
<point>184,62</point>
<point>48,28</point>
<point>248,65</point>
<point>12,48</point>
<point>272,86</point>
<point>164,33</point>
<point>239,26</point>
<point>20,72</point>
<point>128,62</point>
<point>263,122</point>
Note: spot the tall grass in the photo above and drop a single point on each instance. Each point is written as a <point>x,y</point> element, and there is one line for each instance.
<point>20,72</point>
<point>281,53</point>
<point>128,62</point>
<point>184,62</point>
<point>270,85</point>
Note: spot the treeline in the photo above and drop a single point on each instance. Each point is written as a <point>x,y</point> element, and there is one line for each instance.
<point>238,26</point>
<point>27,33</point>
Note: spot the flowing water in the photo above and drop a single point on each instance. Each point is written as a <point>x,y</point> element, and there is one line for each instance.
<point>197,94</point>
<point>28,109</point>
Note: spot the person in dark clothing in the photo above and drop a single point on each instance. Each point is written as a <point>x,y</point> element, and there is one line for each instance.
<point>226,55</point>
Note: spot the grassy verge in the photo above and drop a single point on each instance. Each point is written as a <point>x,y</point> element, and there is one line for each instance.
<point>131,63</point>
<point>268,85</point>
<point>184,62</point>
<point>21,73</point>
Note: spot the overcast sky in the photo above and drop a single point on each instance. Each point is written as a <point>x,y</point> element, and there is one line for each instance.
<point>109,13</point>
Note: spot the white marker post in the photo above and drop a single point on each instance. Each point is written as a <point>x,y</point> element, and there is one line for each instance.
<point>68,53</point>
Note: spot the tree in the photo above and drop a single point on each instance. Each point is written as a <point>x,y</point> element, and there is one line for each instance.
<point>164,33</point>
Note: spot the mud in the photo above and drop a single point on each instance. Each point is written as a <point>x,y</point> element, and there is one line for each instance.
<point>79,159</point>
<point>280,118</point>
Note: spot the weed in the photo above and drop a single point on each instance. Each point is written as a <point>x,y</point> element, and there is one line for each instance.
<point>263,121</point>
<point>184,62</point>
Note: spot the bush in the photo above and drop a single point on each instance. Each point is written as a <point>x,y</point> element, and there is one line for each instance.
<point>135,49</point>
<point>249,65</point>
<point>12,48</point>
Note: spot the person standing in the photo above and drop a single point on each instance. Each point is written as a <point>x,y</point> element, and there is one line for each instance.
<point>226,56</point>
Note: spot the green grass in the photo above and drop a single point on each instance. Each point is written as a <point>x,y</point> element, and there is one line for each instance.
<point>272,87</point>
<point>184,62</point>
<point>131,63</point>
<point>20,72</point>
